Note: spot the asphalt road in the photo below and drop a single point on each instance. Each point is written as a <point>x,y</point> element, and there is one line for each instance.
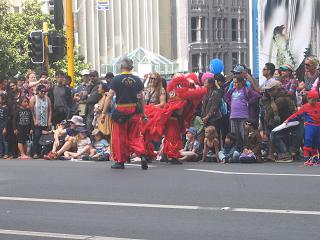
<point>88,200</point>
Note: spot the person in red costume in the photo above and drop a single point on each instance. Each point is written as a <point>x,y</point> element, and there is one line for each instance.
<point>127,116</point>
<point>311,112</point>
<point>173,120</point>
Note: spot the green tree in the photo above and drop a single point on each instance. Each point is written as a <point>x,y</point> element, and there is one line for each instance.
<point>15,29</point>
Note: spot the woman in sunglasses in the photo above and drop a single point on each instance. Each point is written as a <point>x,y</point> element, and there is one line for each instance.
<point>40,105</point>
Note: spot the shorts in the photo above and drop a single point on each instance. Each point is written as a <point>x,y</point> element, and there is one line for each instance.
<point>23,134</point>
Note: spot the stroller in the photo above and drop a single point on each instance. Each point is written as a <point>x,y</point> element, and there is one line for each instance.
<point>46,142</point>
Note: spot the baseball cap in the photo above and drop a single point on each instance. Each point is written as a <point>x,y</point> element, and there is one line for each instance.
<point>238,69</point>
<point>286,67</point>
<point>85,72</point>
<point>272,84</point>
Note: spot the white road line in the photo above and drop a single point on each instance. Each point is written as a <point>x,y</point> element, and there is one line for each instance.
<point>162,206</point>
<point>115,204</point>
<point>279,211</point>
<point>255,173</point>
<point>58,235</point>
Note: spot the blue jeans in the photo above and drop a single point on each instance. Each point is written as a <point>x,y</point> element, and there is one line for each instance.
<point>234,158</point>
<point>287,140</point>
<point>3,144</point>
<point>37,132</point>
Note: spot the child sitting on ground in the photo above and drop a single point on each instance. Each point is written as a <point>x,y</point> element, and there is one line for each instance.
<point>101,148</point>
<point>252,143</point>
<point>229,152</point>
<point>83,143</point>
<point>311,112</point>
<point>210,145</point>
<point>191,151</point>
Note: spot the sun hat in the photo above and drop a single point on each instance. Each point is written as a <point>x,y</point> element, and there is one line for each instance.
<point>192,130</point>
<point>77,120</point>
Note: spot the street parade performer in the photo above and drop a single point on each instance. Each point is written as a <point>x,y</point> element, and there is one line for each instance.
<point>127,117</point>
<point>174,118</point>
<point>311,112</point>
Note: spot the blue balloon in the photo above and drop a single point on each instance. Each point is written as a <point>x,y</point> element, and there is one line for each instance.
<point>216,66</point>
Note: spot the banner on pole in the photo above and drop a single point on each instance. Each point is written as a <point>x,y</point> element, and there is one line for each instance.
<point>103,5</point>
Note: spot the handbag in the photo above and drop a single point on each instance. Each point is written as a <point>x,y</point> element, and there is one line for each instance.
<point>248,158</point>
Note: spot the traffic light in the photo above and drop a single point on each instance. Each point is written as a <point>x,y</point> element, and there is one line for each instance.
<point>56,13</point>
<point>57,46</point>
<point>36,47</point>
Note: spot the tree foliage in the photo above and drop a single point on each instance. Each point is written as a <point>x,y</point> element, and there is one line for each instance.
<point>15,27</point>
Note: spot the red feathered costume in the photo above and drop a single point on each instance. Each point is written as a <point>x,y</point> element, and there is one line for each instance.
<point>172,120</point>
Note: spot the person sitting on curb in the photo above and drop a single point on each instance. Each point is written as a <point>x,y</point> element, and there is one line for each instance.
<point>68,142</point>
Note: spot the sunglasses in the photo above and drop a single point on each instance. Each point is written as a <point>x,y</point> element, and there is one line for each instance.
<point>43,91</point>
<point>152,78</point>
<point>265,69</point>
<point>307,64</point>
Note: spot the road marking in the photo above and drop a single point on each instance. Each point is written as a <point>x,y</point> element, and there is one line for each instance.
<point>115,204</point>
<point>279,211</point>
<point>138,165</point>
<point>58,235</point>
<point>162,206</point>
<point>255,173</point>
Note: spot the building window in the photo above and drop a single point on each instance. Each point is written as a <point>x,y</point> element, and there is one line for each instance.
<point>224,28</point>
<point>214,29</point>
<point>195,62</point>
<point>242,30</point>
<point>235,58</point>
<point>193,29</point>
<point>203,29</point>
<point>234,29</point>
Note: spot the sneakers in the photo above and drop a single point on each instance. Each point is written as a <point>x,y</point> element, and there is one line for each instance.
<point>117,165</point>
<point>144,163</point>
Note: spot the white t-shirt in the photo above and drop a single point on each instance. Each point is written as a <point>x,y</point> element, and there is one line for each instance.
<point>82,143</point>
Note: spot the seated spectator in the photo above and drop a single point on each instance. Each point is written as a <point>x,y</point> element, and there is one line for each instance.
<point>23,125</point>
<point>229,152</point>
<point>252,143</point>
<point>83,144</point>
<point>210,145</point>
<point>192,150</point>
<point>101,147</point>
<point>64,138</point>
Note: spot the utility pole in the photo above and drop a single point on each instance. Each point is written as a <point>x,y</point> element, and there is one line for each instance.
<point>45,32</point>
<point>70,33</point>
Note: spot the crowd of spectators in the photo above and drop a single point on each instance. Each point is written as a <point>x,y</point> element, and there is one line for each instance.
<point>42,118</point>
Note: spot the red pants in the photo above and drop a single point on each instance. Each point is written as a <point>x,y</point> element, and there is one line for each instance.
<point>127,137</point>
<point>172,139</point>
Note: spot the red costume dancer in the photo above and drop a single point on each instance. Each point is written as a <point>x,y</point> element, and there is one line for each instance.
<point>172,121</point>
<point>127,116</point>
<point>311,112</point>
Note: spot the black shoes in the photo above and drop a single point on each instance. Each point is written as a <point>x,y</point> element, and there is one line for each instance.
<point>175,161</point>
<point>117,165</point>
<point>144,163</point>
